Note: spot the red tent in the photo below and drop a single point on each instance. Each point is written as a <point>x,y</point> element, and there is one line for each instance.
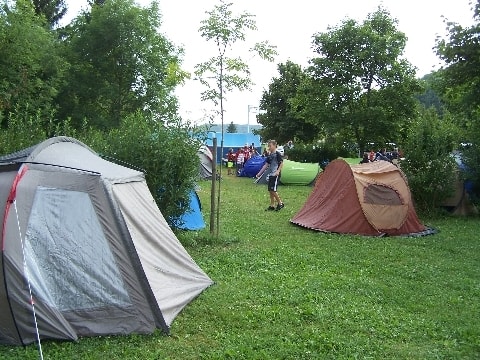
<point>369,199</point>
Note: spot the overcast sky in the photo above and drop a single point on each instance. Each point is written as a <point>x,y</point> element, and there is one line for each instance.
<point>290,26</point>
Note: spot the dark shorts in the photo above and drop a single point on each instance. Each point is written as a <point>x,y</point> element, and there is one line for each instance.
<point>272,183</point>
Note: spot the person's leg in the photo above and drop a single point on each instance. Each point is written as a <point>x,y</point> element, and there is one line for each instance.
<point>277,198</point>
<point>280,204</point>
<point>272,198</point>
<point>274,187</point>
<point>271,193</point>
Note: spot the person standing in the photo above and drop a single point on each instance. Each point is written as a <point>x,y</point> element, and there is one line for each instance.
<point>230,162</point>
<point>240,161</point>
<point>273,165</point>
<point>365,159</point>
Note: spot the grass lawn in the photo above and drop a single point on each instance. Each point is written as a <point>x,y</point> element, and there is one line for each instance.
<point>283,292</point>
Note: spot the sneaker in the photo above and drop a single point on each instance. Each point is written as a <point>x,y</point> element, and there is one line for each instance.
<point>280,207</point>
<point>270,208</point>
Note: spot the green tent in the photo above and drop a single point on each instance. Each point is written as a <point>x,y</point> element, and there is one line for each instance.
<point>295,173</point>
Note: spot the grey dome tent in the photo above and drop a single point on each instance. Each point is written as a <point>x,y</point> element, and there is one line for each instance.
<point>87,238</point>
<point>206,162</point>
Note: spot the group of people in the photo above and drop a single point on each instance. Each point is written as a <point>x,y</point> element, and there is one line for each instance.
<point>236,160</point>
<point>390,156</point>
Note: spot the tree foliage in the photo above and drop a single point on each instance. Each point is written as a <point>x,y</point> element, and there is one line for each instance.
<point>282,119</point>
<point>461,53</point>
<point>459,84</point>
<point>120,64</point>
<point>429,165</point>
<point>431,96</point>
<point>108,81</point>
<point>52,10</point>
<point>231,128</point>
<point>166,152</point>
<point>359,84</point>
<point>31,66</point>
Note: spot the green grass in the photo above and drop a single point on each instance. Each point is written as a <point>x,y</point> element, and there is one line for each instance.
<point>283,292</point>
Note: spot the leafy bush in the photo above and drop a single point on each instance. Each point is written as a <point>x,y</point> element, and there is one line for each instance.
<point>166,152</point>
<point>317,152</point>
<point>22,130</point>
<point>429,165</point>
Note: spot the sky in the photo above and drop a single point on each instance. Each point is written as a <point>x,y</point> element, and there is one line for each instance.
<point>290,26</point>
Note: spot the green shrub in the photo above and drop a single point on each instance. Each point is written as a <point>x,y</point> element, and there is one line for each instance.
<point>22,130</point>
<point>429,164</point>
<point>166,152</point>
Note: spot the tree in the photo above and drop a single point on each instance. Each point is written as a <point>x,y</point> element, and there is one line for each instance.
<point>359,85</point>
<point>461,54</point>
<point>31,67</point>
<point>429,166</point>
<point>430,97</point>
<point>226,29</point>
<point>459,82</point>
<point>282,119</point>
<point>231,128</point>
<point>52,10</point>
<point>121,64</point>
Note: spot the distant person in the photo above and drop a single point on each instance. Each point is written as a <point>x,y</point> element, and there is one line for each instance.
<point>324,163</point>
<point>365,159</point>
<point>246,152</point>
<point>382,155</point>
<point>230,162</point>
<point>395,156</point>
<point>240,160</point>
<point>254,152</point>
<point>273,166</point>
<point>371,156</point>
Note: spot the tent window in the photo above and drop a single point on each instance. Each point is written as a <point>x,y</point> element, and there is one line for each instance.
<point>69,259</point>
<point>381,195</point>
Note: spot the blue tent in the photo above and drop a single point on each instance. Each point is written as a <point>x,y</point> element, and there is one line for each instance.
<point>193,219</point>
<point>252,166</point>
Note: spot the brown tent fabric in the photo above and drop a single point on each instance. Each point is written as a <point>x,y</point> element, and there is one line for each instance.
<point>369,199</point>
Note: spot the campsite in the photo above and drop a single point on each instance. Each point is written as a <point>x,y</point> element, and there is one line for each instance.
<point>284,292</point>
<point>239,180</point>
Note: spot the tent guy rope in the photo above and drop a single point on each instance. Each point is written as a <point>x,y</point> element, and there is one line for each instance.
<point>27,275</point>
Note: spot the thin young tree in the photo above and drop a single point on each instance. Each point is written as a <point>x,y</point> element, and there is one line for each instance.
<point>227,29</point>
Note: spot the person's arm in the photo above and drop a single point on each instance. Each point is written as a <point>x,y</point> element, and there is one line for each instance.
<point>279,170</point>
<point>262,170</point>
